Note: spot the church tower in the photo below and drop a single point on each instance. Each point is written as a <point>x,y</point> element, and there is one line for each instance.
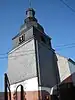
<point>32,61</point>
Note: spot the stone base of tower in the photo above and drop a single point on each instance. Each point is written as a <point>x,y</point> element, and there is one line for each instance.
<point>32,90</point>
<point>32,95</point>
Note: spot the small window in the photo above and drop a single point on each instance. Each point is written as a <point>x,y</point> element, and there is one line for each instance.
<point>21,38</point>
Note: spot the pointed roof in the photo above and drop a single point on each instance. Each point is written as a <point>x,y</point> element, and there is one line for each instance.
<point>30,21</point>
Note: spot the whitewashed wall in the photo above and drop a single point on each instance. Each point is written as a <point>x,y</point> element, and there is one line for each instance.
<point>63,66</point>
<point>29,85</point>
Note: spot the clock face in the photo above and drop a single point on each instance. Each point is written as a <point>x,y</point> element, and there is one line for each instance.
<point>22,38</point>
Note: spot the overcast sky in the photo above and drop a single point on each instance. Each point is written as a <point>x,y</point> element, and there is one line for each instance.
<point>57,19</point>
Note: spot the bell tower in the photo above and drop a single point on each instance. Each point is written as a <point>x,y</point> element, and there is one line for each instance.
<point>31,62</point>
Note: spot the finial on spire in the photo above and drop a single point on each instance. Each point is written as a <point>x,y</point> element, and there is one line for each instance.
<point>29,3</point>
<point>30,12</point>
